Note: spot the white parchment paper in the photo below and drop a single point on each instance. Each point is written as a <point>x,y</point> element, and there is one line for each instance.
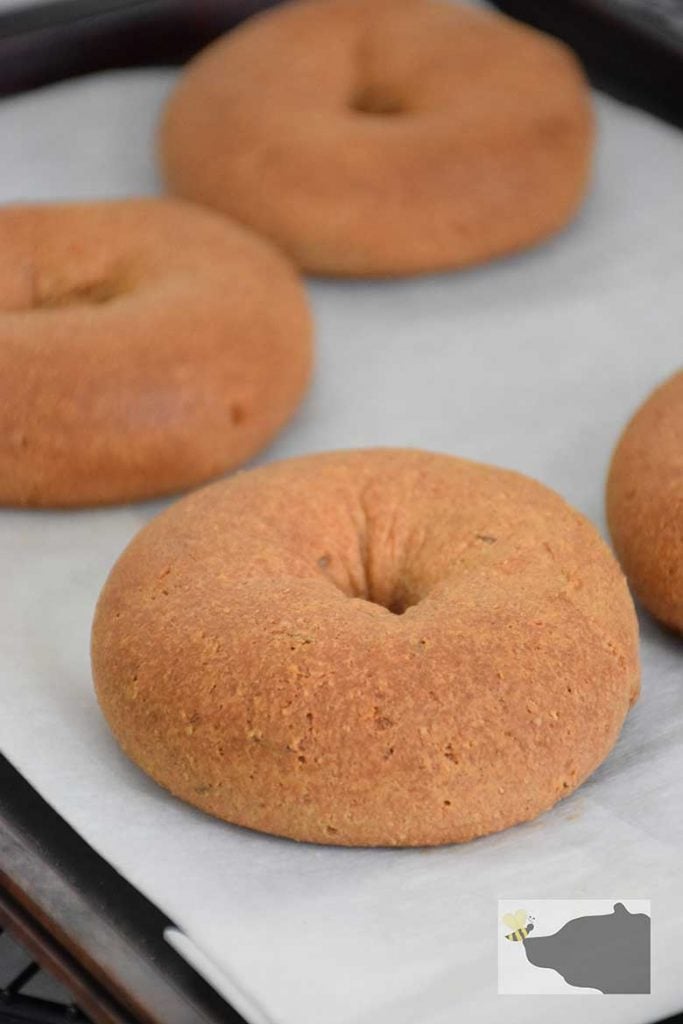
<point>534,363</point>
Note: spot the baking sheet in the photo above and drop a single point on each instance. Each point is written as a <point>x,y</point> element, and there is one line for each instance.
<point>534,363</point>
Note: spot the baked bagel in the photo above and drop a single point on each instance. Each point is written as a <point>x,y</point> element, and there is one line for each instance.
<point>645,502</point>
<point>145,346</point>
<point>379,647</point>
<point>383,137</point>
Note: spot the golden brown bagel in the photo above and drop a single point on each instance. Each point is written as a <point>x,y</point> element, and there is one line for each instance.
<point>645,502</point>
<point>369,137</point>
<point>145,346</point>
<point>380,647</point>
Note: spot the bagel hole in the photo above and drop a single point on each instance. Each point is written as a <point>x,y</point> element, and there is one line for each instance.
<point>19,439</point>
<point>237,413</point>
<point>376,103</point>
<point>96,293</point>
<point>398,597</point>
<point>397,603</point>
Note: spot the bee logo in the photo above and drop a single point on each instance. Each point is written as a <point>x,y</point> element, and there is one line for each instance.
<point>521,924</point>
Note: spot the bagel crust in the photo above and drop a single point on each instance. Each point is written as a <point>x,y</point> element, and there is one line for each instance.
<point>645,502</point>
<point>383,137</point>
<point>376,648</point>
<point>145,346</point>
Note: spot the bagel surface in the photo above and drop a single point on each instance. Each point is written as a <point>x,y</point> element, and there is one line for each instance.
<point>146,346</point>
<point>371,137</point>
<point>645,502</point>
<point>379,647</point>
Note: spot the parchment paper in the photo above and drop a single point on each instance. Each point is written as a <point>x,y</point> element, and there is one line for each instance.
<point>534,363</point>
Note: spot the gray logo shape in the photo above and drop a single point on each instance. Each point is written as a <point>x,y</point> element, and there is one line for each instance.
<point>610,952</point>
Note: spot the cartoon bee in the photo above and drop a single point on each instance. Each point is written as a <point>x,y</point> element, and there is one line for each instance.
<point>521,924</point>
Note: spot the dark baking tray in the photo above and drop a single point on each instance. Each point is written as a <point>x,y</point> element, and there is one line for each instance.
<point>625,52</point>
<point>630,49</point>
<point>51,41</point>
<point>80,919</point>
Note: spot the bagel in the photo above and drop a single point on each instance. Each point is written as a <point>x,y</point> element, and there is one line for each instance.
<point>145,346</point>
<point>645,502</point>
<point>371,137</point>
<point>380,647</point>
